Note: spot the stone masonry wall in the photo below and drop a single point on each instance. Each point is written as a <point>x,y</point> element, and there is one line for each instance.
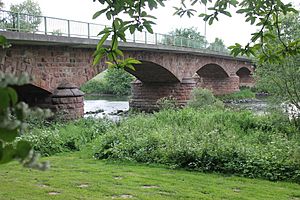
<point>220,86</point>
<point>145,96</point>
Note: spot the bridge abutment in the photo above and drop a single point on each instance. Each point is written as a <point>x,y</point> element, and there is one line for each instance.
<point>146,95</point>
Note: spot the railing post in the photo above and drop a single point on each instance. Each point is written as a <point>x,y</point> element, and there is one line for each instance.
<point>18,22</point>
<point>89,33</point>
<point>156,42</point>
<point>69,34</point>
<point>181,41</point>
<point>133,37</point>
<point>45,22</point>
<point>145,37</point>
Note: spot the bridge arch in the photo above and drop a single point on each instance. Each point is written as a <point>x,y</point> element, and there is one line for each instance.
<point>150,72</point>
<point>212,70</point>
<point>214,77</point>
<point>33,95</point>
<point>245,77</point>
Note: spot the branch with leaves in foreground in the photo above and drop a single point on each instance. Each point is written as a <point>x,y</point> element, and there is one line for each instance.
<point>13,115</point>
<point>260,13</point>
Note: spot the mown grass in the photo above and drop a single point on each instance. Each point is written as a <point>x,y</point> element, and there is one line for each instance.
<point>76,176</point>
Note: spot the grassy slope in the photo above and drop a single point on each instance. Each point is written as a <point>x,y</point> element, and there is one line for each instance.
<point>77,177</point>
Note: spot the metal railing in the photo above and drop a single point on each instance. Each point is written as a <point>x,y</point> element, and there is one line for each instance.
<point>20,22</point>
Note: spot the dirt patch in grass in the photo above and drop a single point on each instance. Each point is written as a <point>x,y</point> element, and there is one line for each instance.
<point>53,193</point>
<point>118,177</point>
<point>122,196</point>
<point>149,186</point>
<point>83,185</point>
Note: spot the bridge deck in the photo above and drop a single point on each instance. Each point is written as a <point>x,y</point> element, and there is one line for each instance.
<point>76,42</point>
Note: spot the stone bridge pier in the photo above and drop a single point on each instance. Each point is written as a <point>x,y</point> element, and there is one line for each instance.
<point>145,95</point>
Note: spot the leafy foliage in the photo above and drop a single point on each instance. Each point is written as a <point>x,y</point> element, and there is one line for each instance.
<point>64,137</point>
<point>188,37</point>
<point>203,98</point>
<point>12,117</point>
<point>28,20</point>
<point>166,103</point>
<point>218,45</point>
<point>210,140</point>
<point>244,93</point>
<point>281,77</point>
<point>263,14</point>
<point>115,81</point>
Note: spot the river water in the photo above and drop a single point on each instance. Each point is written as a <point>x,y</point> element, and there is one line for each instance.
<point>105,106</point>
<point>111,106</point>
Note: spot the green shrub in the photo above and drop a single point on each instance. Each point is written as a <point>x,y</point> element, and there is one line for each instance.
<point>212,140</point>
<point>167,103</point>
<point>94,86</point>
<point>201,98</point>
<point>244,93</point>
<point>72,136</point>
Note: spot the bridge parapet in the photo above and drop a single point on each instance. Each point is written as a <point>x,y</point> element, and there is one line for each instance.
<point>66,28</point>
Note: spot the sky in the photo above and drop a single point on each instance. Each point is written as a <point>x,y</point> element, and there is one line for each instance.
<point>230,29</point>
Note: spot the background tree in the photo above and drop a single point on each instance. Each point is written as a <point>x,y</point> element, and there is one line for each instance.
<point>114,81</point>
<point>218,45</point>
<point>188,37</point>
<point>24,16</point>
<point>281,77</point>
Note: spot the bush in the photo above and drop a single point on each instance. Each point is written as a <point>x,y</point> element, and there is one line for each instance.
<point>167,103</point>
<point>212,140</point>
<point>94,86</point>
<point>72,136</point>
<point>244,93</point>
<point>202,98</point>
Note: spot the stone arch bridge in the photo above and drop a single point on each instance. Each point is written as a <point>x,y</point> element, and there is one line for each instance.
<point>60,65</point>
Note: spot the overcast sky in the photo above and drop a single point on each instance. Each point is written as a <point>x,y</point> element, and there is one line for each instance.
<point>231,30</point>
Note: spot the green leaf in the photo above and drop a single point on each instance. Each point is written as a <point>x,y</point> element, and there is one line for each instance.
<point>97,59</point>
<point>23,148</point>
<point>98,13</point>
<point>108,15</point>
<point>133,61</point>
<point>119,52</point>
<point>132,29</point>
<point>130,66</point>
<point>149,29</point>
<point>8,135</point>
<point>13,95</point>
<point>3,40</point>
<point>8,154</point>
<point>226,13</point>
<point>210,21</point>
<point>102,40</point>
<point>4,99</point>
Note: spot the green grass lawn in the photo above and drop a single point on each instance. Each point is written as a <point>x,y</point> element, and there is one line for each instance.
<point>74,176</point>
